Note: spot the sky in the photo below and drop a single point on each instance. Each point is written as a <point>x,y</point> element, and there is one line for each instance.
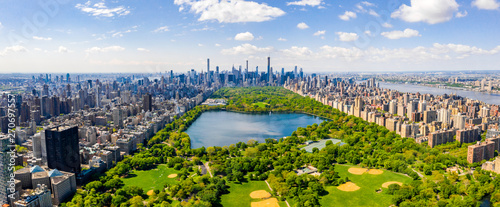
<point>151,36</point>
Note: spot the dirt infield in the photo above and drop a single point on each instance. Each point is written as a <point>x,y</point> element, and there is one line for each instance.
<point>271,202</point>
<point>375,171</point>
<point>386,184</point>
<point>260,194</point>
<point>357,170</point>
<point>349,186</point>
<point>172,175</point>
<point>150,192</point>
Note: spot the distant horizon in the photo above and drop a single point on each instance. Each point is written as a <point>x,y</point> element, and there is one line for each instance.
<point>274,71</point>
<point>321,36</point>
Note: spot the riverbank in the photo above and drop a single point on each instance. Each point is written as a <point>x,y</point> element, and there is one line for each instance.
<point>490,98</point>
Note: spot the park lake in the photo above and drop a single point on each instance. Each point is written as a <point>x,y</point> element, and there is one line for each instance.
<point>222,128</point>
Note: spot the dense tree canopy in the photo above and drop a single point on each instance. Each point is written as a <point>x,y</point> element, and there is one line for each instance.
<point>276,161</point>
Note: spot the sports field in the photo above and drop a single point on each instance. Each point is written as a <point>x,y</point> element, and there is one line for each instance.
<point>261,104</point>
<point>151,179</point>
<point>239,195</point>
<point>366,195</point>
<point>321,144</point>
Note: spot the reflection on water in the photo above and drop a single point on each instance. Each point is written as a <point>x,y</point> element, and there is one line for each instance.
<point>222,128</point>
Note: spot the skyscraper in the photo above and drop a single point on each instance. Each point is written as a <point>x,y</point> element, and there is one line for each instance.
<point>269,73</point>
<point>63,151</point>
<point>118,118</point>
<point>147,102</point>
<point>4,169</point>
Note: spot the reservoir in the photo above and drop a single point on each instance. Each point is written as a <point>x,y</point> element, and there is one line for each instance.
<point>490,98</point>
<point>223,128</point>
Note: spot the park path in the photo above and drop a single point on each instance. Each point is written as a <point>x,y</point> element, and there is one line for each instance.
<point>208,169</point>
<point>278,193</point>
<point>419,174</point>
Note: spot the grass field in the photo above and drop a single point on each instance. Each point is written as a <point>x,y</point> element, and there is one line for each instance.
<point>261,104</point>
<point>239,194</point>
<point>151,179</point>
<point>366,195</point>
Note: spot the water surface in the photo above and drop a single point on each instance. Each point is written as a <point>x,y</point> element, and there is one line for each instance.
<point>222,128</point>
<point>490,98</point>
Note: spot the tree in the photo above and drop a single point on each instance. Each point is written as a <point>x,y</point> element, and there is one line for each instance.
<point>114,183</point>
<point>93,185</point>
<point>136,201</point>
<point>210,150</point>
<point>118,199</point>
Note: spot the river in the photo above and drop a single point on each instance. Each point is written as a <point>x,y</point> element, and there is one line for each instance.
<point>490,98</point>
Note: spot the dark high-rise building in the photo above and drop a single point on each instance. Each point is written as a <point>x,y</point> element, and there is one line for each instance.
<point>147,102</point>
<point>44,106</point>
<point>63,152</point>
<point>269,73</point>
<point>45,91</point>
<point>25,112</point>
<point>208,65</point>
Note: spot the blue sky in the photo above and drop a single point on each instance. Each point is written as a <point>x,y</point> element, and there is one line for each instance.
<point>317,35</point>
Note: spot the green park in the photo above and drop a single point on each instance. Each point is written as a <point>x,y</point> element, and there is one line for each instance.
<point>372,166</point>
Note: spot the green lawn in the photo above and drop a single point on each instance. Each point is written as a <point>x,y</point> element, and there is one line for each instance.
<point>239,194</point>
<point>151,179</point>
<point>366,196</point>
<point>261,104</point>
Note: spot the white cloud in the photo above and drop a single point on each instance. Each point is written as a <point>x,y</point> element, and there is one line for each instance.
<point>143,50</point>
<point>206,28</point>
<point>461,14</point>
<point>347,37</point>
<point>62,49</point>
<point>246,49</point>
<point>120,33</point>
<point>321,32</point>
<point>368,32</point>
<point>105,49</point>
<point>396,34</point>
<point>430,11</point>
<point>348,54</point>
<point>232,11</point>
<point>217,45</point>
<point>297,52</point>
<point>486,4</point>
<point>417,54</point>
<point>305,3</point>
<point>244,36</point>
<point>200,45</point>
<point>1,26</point>
<point>387,25</point>
<point>282,39</point>
<point>367,3</point>
<point>101,10</point>
<point>161,29</point>
<point>302,25</point>
<point>13,49</point>
<point>373,13</point>
<point>42,38</point>
<point>348,15</point>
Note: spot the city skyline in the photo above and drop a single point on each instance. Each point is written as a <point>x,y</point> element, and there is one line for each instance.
<point>317,35</point>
